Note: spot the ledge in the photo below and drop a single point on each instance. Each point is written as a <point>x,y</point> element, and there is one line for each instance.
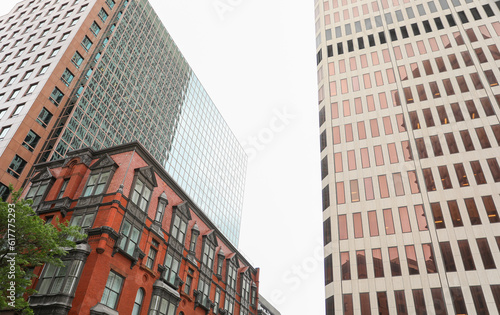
<point>101,309</point>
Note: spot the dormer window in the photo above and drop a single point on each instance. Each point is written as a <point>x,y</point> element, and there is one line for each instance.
<point>96,183</point>
<point>141,195</point>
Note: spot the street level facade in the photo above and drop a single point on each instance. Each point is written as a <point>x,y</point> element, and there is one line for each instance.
<point>98,73</point>
<point>409,108</point>
<point>149,250</point>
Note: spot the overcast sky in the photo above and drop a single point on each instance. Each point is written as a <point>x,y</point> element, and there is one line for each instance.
<point>256,59</point>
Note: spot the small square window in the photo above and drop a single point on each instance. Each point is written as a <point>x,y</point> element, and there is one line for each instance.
<point>31,89</point>
<point>67,77</point>
<point>31,141</point>
<point>16,167</point>
<point>44,117</point>
<point>56,96</point>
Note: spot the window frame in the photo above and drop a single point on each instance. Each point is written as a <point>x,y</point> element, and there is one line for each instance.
<point>106,288</point>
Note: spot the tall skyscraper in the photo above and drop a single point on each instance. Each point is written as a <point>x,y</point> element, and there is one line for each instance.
<point>409,107</point>
<point>97,73</point>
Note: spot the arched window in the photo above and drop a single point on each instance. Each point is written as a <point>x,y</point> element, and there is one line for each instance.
<point>138,302</point>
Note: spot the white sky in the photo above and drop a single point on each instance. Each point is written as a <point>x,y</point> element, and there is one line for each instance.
<point>256,59</point>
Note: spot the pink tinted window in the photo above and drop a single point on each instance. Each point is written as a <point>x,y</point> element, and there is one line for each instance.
<point>453,61</point>
<point>355,83</point>
<point>378,268</point>
<point>462,84</point>
<point>361,130</point>
<point>408,95</point>
<point>340,193</point>
<point>364,61</point>
<point>346,266</point>
<point>378,78</point>
<point>331,68</point>
<point>405,219</point>
<point>365,9</point>
<point>402,73</point>
<point>421,47</point>
<point>398,184</point>
<point>368,188</point>
<point>387,125</point>
<point>333,88</point>
<point>467,58</point>
<point>372,220</point>
<point>458,38</point>
<point>471,35</point>
<point>411,258</point>
<point>347,109</point>
<point>394,261</point>
<point>385,5</point>
<point>405,145</point>
<point>355,11</point>
<point>446,41</point>
<point>342,227</point>
<point>379,158</point>
<point>422,96</point>
<point>430,263</point>
<point>346,13</point>
<point>494,52</point>
<point>388,221</point>
<point>397,53</point>
<point>374,128</point>
<point>336,134</point>
<point>401,123</point>
<point>383,100</point>
<point>375,60</point>
<point>421,220</point>
<point>386,55</point>
<point>412,177</point>
<point>371,103</point>
<point>351,159</point>
<point>335,4</point>
<point>354,190</point>
<point>409,50</point>
<point>327,19</point>
<point>358,225</point>
<point>484,32</point>
<point>390,75</point>
<point>326,6</point>
<point>344,88</point>
<point>393,155</point>
<point>496,26</point>
<point>365,160</point>
<point>367,81</point>
<point>375,6</point>
<point>414,70</point>
<point>352,63</point>
<point>335,110</point>
<point>338,162</point>
<point>384,189</point>
<point>361,262</point>
<point>358,105</point>
<point>341,66</point>
<point>448,86</point>
<point>348,133</point>
<point>336,15</point>
<point>434,89</point>
<point>433,43</point>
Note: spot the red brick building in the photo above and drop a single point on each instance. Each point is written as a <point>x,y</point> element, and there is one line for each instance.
<point>149,250</point>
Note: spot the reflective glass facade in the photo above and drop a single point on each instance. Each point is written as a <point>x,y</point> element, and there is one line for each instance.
<point>138,86</point>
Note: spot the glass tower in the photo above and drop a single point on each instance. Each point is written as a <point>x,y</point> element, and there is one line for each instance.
<point>409,107</point>
<point>118,77</point>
